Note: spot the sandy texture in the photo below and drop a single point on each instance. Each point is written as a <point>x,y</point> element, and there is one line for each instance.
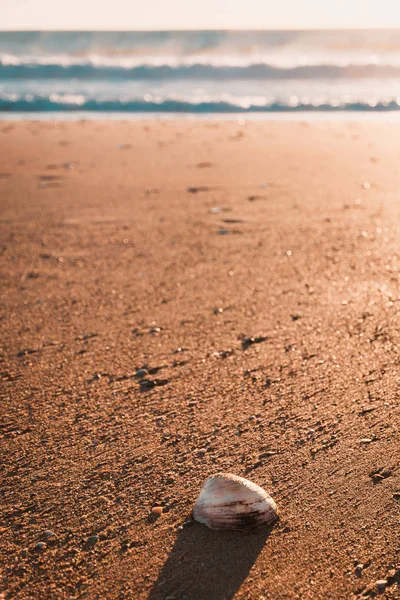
<point>270,331</point>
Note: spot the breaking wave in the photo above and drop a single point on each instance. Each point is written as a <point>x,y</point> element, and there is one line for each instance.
<point>80,102</point>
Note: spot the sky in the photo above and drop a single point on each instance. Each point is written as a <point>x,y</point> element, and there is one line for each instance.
<point>198,14</point>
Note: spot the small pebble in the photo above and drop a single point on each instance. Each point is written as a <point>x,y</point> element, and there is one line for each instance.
<point>141,373</point>
<point>266,454</point>
<point>48,533</point>
<point>41,546</point>
<point>157,510</point>
<point>381,585</point>
<point>365,441</point>
<point>93,539</point>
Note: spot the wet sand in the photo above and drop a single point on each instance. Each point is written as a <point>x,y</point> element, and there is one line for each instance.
<point>253,270</point>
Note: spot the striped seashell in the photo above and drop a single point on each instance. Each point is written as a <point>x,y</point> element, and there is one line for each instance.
<point>230,502</point>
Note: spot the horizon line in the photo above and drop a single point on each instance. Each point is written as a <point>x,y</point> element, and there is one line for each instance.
<point>197,29</point>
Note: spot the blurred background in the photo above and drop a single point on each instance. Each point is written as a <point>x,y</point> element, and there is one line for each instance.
<point>213,57</point>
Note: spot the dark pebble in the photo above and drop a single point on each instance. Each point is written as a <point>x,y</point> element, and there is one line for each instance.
<point>41,546</point>
<point>93,539</point>
<point>48,533</point>
<point>141,373</point>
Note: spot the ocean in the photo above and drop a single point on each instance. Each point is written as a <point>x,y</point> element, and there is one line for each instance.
<point>199,72</point>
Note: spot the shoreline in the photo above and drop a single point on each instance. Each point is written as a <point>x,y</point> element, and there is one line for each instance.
<point>319,116</point>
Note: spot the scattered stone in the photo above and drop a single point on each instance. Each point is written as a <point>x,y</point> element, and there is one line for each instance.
<point>380,475</point>
<point>359,569</point>
<point>266,454</point>
<point>215,210</point>
<point>26,351</point>
<point>157,510</point>
<point>146,384</point>
<point>125,546</point>
<point>194,190</point>
<point>48,533</point>
<point>201,452</point>
<point>41,546</point>
<point>140,373</point>
<point>226,353</point>
<point>186,523</point>
<point>249,341</point>
<point>92,540</point>
<point>366,409</point>
<point>253,198</point>
<point>155,330</point>
<point>366,441</point>
<point>223,232</point>
<point>381,585</point>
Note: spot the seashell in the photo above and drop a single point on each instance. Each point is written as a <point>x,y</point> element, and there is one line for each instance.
<point>230,502</point>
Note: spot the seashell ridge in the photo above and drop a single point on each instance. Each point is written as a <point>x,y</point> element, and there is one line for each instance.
<point>227,501</point>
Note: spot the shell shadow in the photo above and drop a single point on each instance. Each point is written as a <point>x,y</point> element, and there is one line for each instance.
<point>208,565</point>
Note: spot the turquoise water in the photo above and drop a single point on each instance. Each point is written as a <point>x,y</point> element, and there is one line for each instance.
<point>200,72</point>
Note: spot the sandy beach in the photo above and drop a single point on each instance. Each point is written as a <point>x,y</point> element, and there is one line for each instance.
<point>252,268</point>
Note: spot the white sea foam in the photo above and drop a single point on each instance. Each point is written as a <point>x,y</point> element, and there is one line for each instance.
<point>200,72</point>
